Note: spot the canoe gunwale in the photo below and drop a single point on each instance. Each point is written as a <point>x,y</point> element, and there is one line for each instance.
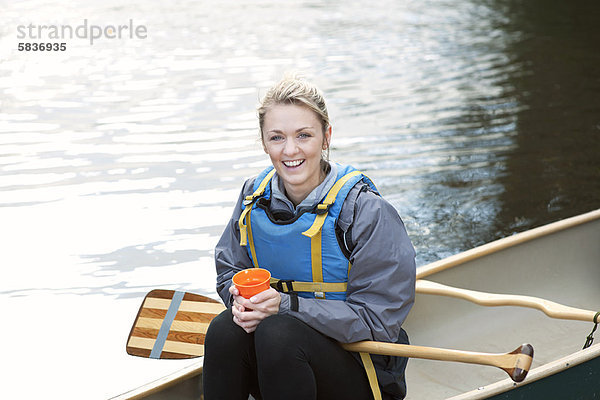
<point>504,243</point>
<point>163,383</point>
<point>535,374</point>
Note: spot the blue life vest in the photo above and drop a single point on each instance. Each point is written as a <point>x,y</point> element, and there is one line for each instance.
<point>303,254</point>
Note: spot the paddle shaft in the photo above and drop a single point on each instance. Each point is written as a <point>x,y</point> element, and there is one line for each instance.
<point>516,364</point>
<point>551,309</point>
<point>433,353</point>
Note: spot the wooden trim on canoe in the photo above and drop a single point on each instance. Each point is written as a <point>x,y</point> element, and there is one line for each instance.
<point>504,243</point>
<point>162,383</point>
<point>535,374</point>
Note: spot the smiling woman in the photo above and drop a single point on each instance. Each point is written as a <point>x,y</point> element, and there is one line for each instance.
<point>320,229</point>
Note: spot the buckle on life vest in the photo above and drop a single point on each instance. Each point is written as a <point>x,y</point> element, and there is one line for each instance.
<point>248,200</point>
<point>289,285</point>
<point>322,208</point>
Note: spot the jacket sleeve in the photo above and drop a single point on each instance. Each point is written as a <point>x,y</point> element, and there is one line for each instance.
<point>381,282</point>
<point>230,257</point>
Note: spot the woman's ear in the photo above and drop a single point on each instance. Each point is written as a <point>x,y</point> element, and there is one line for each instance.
<point>327,138</point>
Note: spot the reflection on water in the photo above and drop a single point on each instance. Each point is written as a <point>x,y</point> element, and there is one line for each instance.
<point>555,168</point>
<point>120,162</point>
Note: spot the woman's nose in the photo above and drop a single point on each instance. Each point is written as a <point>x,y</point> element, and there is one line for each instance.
<point>290,147</point>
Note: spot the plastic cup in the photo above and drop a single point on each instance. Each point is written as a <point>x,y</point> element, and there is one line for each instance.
<point>252,281</point>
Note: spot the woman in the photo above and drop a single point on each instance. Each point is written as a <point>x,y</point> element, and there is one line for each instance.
<point>343,259</point>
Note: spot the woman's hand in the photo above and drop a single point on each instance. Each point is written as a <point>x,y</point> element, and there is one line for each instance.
<point>248,313</point>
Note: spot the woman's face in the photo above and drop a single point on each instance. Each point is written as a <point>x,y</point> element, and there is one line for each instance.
<point>293,138</point>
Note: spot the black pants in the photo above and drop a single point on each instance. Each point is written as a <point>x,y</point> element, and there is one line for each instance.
<point>283,359</point>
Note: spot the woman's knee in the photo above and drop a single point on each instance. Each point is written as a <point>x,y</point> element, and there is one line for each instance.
<point>279,332</point>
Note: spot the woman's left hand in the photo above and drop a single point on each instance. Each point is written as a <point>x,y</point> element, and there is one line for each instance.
<point>248,313</point>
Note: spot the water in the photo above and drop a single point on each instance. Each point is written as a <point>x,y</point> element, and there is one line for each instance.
<point>120,161</point>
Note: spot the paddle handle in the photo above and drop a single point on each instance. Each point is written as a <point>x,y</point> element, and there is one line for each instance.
<point>516,364</point>
<point>551,309</point>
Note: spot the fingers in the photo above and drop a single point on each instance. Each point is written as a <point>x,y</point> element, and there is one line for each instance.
<point>267,301</point>
<point>264,296</point>
<point>241,302</point>
<point>248,313</point>
<point>248,326</point>
<point>248,320</point>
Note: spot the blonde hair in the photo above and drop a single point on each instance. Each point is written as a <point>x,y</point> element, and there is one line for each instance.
<point>293,88</point>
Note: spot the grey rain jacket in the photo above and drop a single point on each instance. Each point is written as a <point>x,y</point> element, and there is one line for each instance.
<point>381,283</point>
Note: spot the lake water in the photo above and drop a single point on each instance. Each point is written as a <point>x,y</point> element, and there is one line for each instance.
<point>120,160</point>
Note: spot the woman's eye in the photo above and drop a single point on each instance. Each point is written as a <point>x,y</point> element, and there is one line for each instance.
<point>304,135</point>
<point>276,137</point>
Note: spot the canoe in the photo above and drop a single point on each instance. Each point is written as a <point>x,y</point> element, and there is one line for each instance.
<point>559,262</point>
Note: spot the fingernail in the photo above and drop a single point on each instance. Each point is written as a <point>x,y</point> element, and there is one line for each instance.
<point>252,299</point>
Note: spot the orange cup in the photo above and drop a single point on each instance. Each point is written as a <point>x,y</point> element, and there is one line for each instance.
<point>252,281</point>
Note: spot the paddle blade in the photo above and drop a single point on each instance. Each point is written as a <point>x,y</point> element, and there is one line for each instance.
<point>172,324</point>
<point>523,358</point>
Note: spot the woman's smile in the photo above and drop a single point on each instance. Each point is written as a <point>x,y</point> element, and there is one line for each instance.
<point>293,164</point>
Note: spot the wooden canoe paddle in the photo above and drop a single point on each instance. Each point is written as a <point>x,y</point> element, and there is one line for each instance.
<point>172,324</point>
<point>551,309</point>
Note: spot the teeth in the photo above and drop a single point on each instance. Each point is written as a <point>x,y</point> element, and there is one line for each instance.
<point>293,163</point>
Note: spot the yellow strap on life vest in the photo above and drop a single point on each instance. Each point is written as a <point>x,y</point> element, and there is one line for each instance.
<point>329,200</point>
<point>243,232</point>
<point>314,232</point>
<point>371,375</point>
<point>249,201</point>
<point>251,242</point>
<point>316,262</point>
<point>324,287</point>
